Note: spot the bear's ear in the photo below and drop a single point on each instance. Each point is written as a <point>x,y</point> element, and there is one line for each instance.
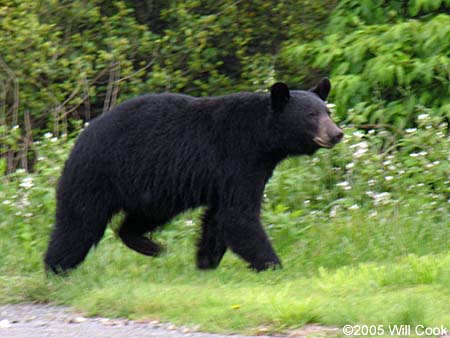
<point>279,95</point>
<point>322,89</point>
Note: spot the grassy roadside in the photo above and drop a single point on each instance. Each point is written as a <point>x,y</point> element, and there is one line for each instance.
<point>363,232</point>
<point>117,282</point>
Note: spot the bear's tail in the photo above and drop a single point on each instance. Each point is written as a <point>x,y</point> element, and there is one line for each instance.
<point>71,241</point>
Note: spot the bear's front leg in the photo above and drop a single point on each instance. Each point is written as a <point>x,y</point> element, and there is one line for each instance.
<point>211,246</point>
<point>245,235</point>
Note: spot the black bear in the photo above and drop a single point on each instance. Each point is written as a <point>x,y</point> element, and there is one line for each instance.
<point>156,155</point>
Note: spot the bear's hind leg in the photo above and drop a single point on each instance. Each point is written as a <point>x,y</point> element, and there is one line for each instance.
<point>71,240</point>
<point>132,232</point>
<point>211,247</point>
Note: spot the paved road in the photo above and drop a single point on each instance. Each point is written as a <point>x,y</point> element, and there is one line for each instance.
<point>44,321</point>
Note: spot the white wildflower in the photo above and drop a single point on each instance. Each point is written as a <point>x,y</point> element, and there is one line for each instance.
<point>358,134</point>
<point>189,222</point>
<point>381,198</point>
<point>353,207</point>
<point>6,202</point>
<point>24,201</point>
<point>361,149</point>
<point>307,202</point>
<point>54,139</point>
<point>371,183</point>
<point>27,183</point>
<point>349,165</point>
<point>411,130</point>
<point>48,135</point>
<point>389,178</point>
<point>422,117</point>
<point>344,185</point>
<point>333,211</point>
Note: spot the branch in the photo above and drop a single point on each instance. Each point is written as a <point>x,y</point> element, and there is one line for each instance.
<point>380,126</point>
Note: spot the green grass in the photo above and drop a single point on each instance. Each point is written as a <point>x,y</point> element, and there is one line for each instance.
<point>114,281</point>
<point>373,250</point>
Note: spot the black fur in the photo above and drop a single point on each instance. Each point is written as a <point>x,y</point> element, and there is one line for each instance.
<point>158,155</point>
<point>279,95</point>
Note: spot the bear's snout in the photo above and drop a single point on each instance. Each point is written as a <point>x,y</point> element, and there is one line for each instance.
<point>337,137</point>
<point>328,134</point>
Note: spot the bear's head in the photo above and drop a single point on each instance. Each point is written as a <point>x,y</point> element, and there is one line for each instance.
<point>302,119</point>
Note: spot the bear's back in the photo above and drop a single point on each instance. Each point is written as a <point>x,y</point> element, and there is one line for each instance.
<point>161,145</point>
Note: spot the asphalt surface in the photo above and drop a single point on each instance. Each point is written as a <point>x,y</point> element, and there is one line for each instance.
<point>44,321</point>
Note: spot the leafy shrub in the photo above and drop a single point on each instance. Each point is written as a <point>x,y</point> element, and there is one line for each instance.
<point>74,60</point>
<point>65,59</point>
<point>369,170</point>
<point>386,66</point>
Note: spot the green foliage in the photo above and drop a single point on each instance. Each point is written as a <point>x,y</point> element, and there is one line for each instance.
<point>388,60</point>
<point>73,59</point>
<point>211,48</point>
<point>63,56</point>
<point>386,67</point>
<point>396,189</point>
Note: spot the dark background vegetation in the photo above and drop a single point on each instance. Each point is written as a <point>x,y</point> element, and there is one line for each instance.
<point>65,61</point>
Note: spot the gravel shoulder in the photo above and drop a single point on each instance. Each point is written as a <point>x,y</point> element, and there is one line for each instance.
<point>32,321</point>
